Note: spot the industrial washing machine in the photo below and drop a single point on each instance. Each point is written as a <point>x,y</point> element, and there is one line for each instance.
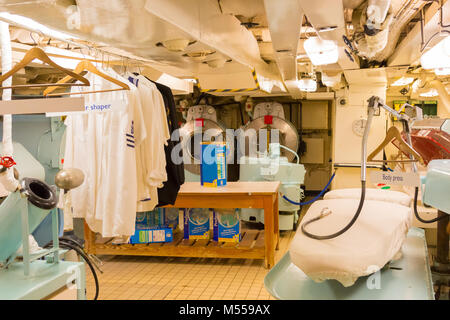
<point>275,160</point>
<point>201,125</point>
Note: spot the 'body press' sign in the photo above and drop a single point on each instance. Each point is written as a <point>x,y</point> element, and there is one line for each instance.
<point>411,179</point>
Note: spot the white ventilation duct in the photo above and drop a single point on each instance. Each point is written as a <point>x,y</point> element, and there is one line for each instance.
<point>377,11</point>
<point>408,51</point>
<point>284,18</point>
<point>378,46</point>
<point>374,23</point>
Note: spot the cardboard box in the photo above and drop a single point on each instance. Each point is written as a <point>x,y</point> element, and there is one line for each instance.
<point>152,235</point>
<point>226,225</point>
<point>213,168</point>
<point>171,217</point>
<point>197,223</point>
<point>151,227</point>
<point>150,219</point>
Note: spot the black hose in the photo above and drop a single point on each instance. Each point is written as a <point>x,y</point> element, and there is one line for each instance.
<point>73,241</point>
<point>416,193</point>
<point>348,226</point>
<point>71,244</point>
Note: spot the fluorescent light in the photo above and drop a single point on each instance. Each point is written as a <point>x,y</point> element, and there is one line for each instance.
<point>307,84</point>
<point>442,71</point>
<point>402,82</point>
<point>321,52</point>
<point>429,93</point>
<point>438,56</point>
<point>35,26</point>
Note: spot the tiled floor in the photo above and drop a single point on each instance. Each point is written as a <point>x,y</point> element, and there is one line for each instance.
<point>158,278</point>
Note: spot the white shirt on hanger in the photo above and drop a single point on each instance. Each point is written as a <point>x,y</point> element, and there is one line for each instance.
<point>151,162</point>
<point>103,145</point>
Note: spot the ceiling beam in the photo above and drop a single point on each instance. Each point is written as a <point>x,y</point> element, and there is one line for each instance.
<point>284,19</point>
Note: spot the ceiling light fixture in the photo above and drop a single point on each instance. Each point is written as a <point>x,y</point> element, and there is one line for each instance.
<point>321,52</point>
<point>176,45</point>
<point>331,81</point>
<point>216,63</point>
<point>307,84</point>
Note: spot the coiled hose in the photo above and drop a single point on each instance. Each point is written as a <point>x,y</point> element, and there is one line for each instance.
<point>67,243</point>
<point>348,226</point>
<point>338,233</point>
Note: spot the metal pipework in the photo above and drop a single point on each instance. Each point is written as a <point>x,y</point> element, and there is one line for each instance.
<point>70,178</point>
<point>374,103</point>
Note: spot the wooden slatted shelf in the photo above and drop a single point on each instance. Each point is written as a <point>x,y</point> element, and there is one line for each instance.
<point>251,246</point>
<point>254,244</point>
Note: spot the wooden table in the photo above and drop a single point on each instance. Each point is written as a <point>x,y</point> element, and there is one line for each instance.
<point>254,244</point>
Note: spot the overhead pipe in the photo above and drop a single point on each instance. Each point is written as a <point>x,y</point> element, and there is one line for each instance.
<point>382,45</point>
<point>408,51</point>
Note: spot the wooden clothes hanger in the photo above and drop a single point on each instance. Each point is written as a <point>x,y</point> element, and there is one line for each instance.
<point>85,65</point>
<point>38,53</point>
<point>394,133</point>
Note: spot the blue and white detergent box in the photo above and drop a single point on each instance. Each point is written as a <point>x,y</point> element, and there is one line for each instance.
<point>152,235</point>
<point>226,225</point>
<point>150,227</point>
<point>196,223</point>
<point>150,219</point>
<point>213,168</point>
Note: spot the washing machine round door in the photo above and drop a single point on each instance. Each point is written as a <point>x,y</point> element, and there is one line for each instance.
<point>288,136</point>
<point>191,138</point>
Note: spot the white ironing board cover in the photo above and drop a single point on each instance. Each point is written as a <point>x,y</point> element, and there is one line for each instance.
<point>371,194</point>
<point>375,239</point>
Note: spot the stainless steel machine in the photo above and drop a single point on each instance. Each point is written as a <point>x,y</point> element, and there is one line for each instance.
<point>275,159</point>
<point>201,124</point>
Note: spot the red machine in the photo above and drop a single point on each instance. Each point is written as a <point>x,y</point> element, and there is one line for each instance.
<point>430,138</point>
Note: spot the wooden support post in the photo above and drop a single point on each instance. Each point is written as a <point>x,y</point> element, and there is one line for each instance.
<point>276,218</point>
<point>269,228</point>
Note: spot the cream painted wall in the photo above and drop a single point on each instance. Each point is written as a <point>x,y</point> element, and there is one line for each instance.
<point>346,144</point>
